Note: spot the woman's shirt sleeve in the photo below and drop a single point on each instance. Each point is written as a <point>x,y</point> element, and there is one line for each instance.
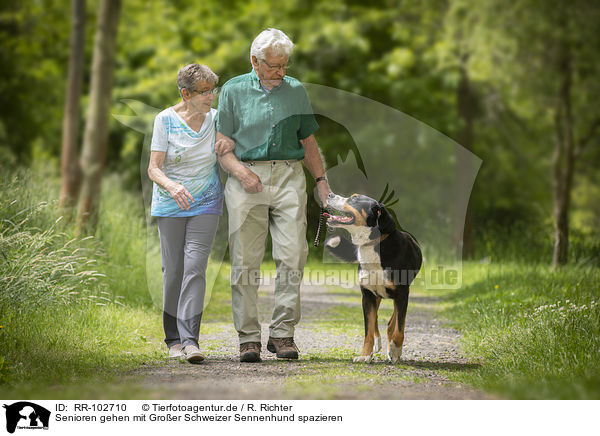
<point>160,138</point>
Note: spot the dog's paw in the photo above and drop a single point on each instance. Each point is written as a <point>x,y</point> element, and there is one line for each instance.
<point>377,345</point>
<point>333,242</point>
<point>394,353</point>
<point>363,359</point>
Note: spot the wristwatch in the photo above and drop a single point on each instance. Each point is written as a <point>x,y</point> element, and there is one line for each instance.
<point>319,179</point>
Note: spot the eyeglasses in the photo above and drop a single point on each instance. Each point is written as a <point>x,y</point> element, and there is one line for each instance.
<point>213,91</point>
<point>275,67</point>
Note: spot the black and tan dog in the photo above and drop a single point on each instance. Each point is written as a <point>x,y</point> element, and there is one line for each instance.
<point>388,261</point>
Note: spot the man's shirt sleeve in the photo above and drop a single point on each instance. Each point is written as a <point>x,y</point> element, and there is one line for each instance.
<point>225,113</point>
<point>308,123</point>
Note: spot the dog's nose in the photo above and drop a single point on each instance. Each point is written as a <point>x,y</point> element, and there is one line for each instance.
<point>331,195</point>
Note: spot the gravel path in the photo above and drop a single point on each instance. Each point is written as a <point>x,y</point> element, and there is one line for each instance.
<point>325,369</point>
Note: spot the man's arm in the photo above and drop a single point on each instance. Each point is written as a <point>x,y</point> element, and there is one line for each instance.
<point>230,163</point>
<point>314,162</point>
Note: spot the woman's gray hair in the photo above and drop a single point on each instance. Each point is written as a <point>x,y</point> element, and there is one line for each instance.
<point>275,39</point>
<point>188,76</point>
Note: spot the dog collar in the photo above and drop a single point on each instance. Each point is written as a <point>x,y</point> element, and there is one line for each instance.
<point>375,241</point>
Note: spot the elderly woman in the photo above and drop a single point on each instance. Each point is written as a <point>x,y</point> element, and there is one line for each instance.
<point>187,201</point>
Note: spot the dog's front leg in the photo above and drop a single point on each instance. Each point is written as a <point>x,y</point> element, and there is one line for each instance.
<point>396,326</point>
<point>377,345</point>
<point>341,248</point>
<point>369,304</point>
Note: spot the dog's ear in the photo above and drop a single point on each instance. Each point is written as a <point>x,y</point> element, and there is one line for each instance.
<point>385,222</point>
<point>373,215</point>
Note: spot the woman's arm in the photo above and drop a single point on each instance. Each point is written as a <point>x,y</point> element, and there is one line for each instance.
<point>177,190</point>
<point>223,145</point>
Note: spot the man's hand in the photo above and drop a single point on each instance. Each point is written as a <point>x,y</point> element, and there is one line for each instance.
<point>180,195</point>
<point>250,181</point>
<point>323,191</point>
<point>224,145</point>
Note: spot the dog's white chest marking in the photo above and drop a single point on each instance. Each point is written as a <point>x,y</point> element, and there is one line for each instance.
<point>371,275</point>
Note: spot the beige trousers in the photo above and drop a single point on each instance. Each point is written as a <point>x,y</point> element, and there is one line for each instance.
<point>281,210</point>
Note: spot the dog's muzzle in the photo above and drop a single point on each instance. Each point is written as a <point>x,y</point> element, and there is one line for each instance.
<point>336,214</point>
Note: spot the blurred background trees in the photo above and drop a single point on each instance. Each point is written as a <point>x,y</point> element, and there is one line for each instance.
<point>514,83</point>
<point>69,169</point>
<point>95,140</point>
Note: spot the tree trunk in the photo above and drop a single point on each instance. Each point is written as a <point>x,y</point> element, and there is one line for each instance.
<point>466,108</point>
<point>96,128</point>
<point>564,157</point>
<point>70,173</point>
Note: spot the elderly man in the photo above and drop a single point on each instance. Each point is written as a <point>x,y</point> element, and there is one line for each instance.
<point>269,116</point>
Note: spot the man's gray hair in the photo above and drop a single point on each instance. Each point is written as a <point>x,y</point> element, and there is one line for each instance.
<point>188,76</point>
<point>275,39</point>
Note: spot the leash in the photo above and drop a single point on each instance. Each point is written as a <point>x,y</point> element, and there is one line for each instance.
<point>321,219</point>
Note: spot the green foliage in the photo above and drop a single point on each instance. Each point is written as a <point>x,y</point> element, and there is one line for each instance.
<point>407,56</point>
<point>33,54</point>
<point>514,53</point>
<point>537,331</point>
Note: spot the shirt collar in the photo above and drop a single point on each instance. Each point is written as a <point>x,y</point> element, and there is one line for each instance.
<point>260,85</point>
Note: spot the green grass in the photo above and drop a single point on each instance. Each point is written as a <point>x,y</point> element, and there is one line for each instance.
<point>77,311</point>
<point>72,310</point>
<point>50,350</point>
<point>124,243</point>
<point>536,331</point>
<point>324,378</point>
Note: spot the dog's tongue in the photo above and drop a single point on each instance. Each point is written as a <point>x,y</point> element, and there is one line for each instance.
<point>339,219</point>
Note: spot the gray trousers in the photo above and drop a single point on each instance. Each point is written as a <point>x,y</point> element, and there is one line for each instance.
<point>185,244</point>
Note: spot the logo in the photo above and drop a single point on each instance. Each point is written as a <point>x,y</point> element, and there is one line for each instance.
<point>26,415</point>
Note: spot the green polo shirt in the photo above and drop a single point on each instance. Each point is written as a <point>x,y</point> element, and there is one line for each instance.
<point>265,125</point>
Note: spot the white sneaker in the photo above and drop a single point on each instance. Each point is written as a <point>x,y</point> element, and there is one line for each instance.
<point>176,351</point>
<point>193,354</point>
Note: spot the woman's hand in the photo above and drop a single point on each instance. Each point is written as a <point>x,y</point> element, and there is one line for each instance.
<point>224,145</point>
<point>181,195</point>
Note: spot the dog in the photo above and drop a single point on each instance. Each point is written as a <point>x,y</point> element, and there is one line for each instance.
<point>388,261</point>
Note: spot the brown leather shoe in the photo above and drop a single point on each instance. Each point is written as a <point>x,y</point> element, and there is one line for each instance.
<point>250,352</point>
<point>284,347</point>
